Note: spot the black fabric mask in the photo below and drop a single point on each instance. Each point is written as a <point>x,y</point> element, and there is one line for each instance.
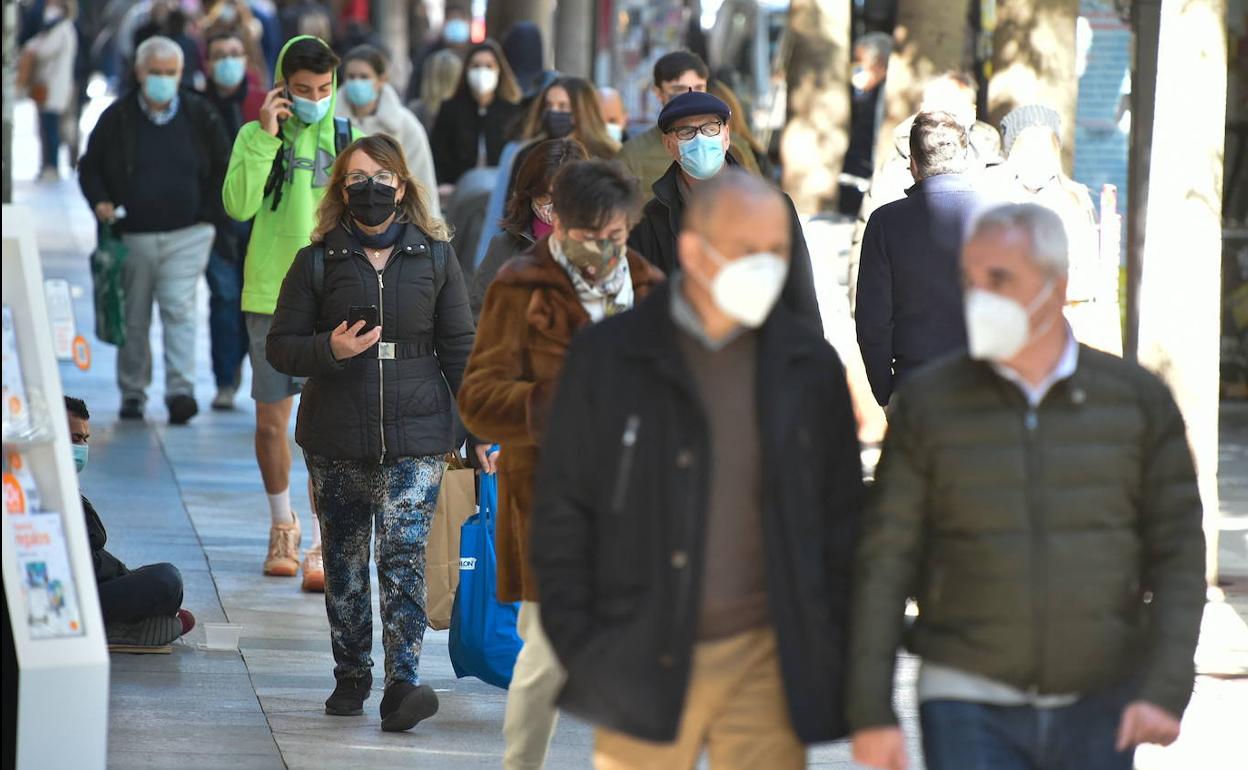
<point>370,203</point>
<point>556,124</point>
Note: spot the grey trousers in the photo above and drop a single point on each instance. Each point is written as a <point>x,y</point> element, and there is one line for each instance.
<point>164,267</point>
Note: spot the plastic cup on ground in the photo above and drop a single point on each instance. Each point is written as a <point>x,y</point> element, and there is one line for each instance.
<point>222,636</point>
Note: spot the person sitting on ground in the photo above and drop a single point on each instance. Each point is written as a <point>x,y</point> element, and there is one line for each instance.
<point>142,607</point>
<point>695,131</point>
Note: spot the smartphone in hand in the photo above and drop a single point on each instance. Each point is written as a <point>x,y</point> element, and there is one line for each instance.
<point>366,313</point>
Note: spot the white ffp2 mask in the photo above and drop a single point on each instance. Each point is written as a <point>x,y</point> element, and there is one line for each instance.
<point>997,327</point>
<point>747,288</point>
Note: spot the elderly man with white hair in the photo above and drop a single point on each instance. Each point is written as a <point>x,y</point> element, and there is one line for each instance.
<point>158,154</point>
<point>1037,497</point>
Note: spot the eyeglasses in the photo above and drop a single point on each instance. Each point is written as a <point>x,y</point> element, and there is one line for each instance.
<point>685,133</point>
<point>386,178</point>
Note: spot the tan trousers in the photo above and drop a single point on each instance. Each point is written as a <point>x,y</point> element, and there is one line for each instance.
<point>531,716</point>
<point>735,708</point>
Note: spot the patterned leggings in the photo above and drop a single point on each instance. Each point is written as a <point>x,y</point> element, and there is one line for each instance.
<point>396,499</point>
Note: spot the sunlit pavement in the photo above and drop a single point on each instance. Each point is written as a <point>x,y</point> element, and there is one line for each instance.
<point>192,496</point>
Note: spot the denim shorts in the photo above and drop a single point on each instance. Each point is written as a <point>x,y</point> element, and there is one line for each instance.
<point>268,385</point>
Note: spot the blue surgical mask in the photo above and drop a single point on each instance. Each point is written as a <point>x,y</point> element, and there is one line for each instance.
<point>160,89</point>
<point>361,92</point>
<point>615,131</point>
<point>81,451</point>
<point>230,71</point>
<point>456,31</point>
<point>310,111</point>
<point>702,156</point>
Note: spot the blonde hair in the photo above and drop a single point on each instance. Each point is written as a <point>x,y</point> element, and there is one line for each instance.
<point>386,151</point>
<point>439,80</point>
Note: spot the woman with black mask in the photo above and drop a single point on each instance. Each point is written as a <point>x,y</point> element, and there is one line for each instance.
<point>375,314</point>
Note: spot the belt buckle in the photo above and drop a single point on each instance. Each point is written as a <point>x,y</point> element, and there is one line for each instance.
<point>385,351</point>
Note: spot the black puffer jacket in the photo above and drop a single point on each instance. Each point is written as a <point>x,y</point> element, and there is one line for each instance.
<point>365,408</point>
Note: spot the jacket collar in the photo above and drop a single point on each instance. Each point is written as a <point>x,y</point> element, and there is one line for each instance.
<point>340,243</point>
<point>942,183</point>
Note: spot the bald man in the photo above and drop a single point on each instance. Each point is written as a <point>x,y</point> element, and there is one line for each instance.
<point>693,568</point>
<point>614,113</point>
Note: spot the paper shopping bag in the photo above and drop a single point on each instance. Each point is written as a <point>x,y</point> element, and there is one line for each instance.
<point>456,502</point>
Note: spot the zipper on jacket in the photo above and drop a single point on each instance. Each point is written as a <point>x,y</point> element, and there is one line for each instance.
<point>381,368</point>
<point>1039,571</point>
<point>629,446</point>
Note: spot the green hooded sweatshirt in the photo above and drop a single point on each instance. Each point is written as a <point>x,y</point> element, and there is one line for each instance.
<point>277,235</point>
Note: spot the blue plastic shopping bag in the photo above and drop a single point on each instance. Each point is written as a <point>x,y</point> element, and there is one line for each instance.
<point>484,642</point>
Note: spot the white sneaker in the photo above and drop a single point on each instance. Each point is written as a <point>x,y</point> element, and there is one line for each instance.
<point>224,400</point>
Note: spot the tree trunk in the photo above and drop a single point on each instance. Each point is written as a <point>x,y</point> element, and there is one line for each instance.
<point>816,136</point>
<point>574,33</point>
<point>1033,62</point>
<point>391,18</point>
<point>501,16</point>
<point>1180,281</point>
<point>930,38</point>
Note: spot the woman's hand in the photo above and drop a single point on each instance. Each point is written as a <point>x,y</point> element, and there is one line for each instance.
<point>486,459</point>
<point>347,342</point>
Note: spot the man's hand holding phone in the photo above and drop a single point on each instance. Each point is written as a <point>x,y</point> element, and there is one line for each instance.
<point>276,108</point>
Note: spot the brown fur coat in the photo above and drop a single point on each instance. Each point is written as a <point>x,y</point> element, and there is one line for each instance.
<point>530,314</point>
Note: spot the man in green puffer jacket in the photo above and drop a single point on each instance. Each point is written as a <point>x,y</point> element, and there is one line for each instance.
<point>278,171</point>
<point>1039,500</point>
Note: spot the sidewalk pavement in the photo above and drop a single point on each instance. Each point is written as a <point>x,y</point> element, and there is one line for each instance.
<point>192,496</point>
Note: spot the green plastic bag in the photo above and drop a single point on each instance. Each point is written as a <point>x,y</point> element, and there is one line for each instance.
<point>110,306</point>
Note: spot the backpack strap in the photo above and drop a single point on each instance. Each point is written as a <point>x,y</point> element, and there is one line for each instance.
<point>342,134</point>
<point>438,252</point>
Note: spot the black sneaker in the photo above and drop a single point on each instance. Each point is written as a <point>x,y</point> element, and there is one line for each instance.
<point>349,695</point>
<point>131,409</point>
<point>405,705</point>
<point>181,409</point>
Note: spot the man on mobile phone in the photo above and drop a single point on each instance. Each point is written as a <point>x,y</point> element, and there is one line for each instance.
<point>277,174</point>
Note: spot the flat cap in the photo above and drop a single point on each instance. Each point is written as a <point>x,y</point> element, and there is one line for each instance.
<point>692,103</point>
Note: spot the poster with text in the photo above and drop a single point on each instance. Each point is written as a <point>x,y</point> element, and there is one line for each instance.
<point>47,581</point>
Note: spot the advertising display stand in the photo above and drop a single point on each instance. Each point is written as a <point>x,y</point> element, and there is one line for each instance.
<point>49,582</point>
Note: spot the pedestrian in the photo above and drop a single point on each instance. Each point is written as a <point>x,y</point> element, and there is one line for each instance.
<point>167,19</point>
<point>374,106</point>
<point>233,88</point>
<point>871,52</point>
<point>530,212</point>
<point>696,137</point>
<point>473,125</point>
<point>141,607</point>
<point>952,92</point>
<point>522,45</point>
<point>455,37</point>
<point>696,508</point>
<point>51,53</point>
<point>577,274</point>
<point>910,284</point>
<point>234,17</point>
<point>375,421</point>
<point>1033,173</point>
<point>278,172</point>
<point>441,78</point>
<point>568,106</point>
<point>1038,498</point>
<point>645,155</point>
<point>160,152</point>
<point>614,113</point>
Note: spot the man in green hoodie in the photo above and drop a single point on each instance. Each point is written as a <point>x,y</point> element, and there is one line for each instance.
<point>278,171</point>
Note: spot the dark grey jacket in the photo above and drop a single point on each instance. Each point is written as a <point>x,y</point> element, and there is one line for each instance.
<point>365,408</point>
<point>1056,548</point>
<point>503,247</point>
